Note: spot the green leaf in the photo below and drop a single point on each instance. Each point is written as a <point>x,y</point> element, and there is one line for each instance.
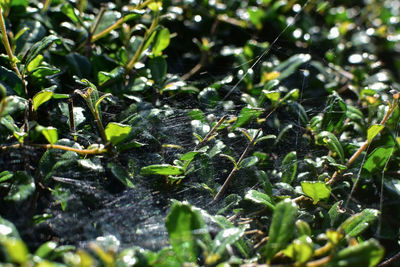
<point>5,175</point>
<point>8,229</point>
<point>121,174</point>
<point>161,42</point>
<point>117,132</point>
<point>189,155</point>
<point>231,159</point>
<point>38,47</point>
<point>224,238</point>
<point>289,167</point>
<point>377,159</point>
<point>11,81</point>
<point>289,66</point>
<point>41,98</point>
<point>332,143</point>
<point>282,228</point>
<point>79,65</point>
<point>69,11</point>
<point>15,249</point>
<point>158,68</point>
<point>358,223</point>
<point>248,162</point>
<point>245,115</point>
<point>104,77</point>
<point>162,169</point>
<point>373,131</point>
<point>303,228</point>
<point>50,133</point>
<point>22,188</point>
<point>260,198</point>
<point>301,249</point>
<point>368,254</point>
<point>316,190</point>
<point>45,249</point>
<point>334,114</point>
<point>273,96</point>
<point>185,225</point>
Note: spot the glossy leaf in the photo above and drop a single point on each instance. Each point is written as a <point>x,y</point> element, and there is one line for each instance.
<point>162,169</point>
<point>373,131</point>
<point>245,115</point>
<point>282,228</point>
<point>117,132</point>
<point>289,167</point>
<point>185,225</point>
<point>316,190</point>
<point>41,98</point>
<point>38,47</point>
<point>301,249</point>
<point>260,198</point>
<point>161,42</point>
<point>121,174</point>
<point>12,82</point>
<point>358,223</point>
<point>377,159</point>
<point>224,238</point>
<point>22,188</point>
<point>248,162</point>
<point>368,254</point>
<point>332,143</point>
<point>334,114</point>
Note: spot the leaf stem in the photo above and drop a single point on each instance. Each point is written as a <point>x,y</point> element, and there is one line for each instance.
<point>392,107</point>
<point>7,46</point>
<point>211,132</point>
<point>93,151</point>
<point>139,51</point>
<point>235,169</point>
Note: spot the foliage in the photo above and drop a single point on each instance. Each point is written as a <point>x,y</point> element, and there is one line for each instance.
<point>191,114</point>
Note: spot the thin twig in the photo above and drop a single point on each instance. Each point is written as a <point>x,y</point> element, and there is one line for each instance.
<point>139,51</point>
<point>211,132</point>
<point>235,169</point>
<point>391,260</point>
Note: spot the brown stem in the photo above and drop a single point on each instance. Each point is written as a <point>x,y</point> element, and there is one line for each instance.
<point>391,260</point>
<point>211,132</point>
<point>235,169</point>
<point>366,143</point>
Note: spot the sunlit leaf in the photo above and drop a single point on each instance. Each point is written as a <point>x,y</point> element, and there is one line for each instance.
<point>22,188</point>
<point>260,198</point>
<point>224,238</point>
<point>316,190</point>
<point>117,132</point>
<point>377,159</point>
<point>162,169</point>
<point>185,225</point>
<point>161,42</point>
<point>41,97</point>
<point>358,223</point>
<point>332,143</point>
<point>373,131</point>
<point>301,249</point>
